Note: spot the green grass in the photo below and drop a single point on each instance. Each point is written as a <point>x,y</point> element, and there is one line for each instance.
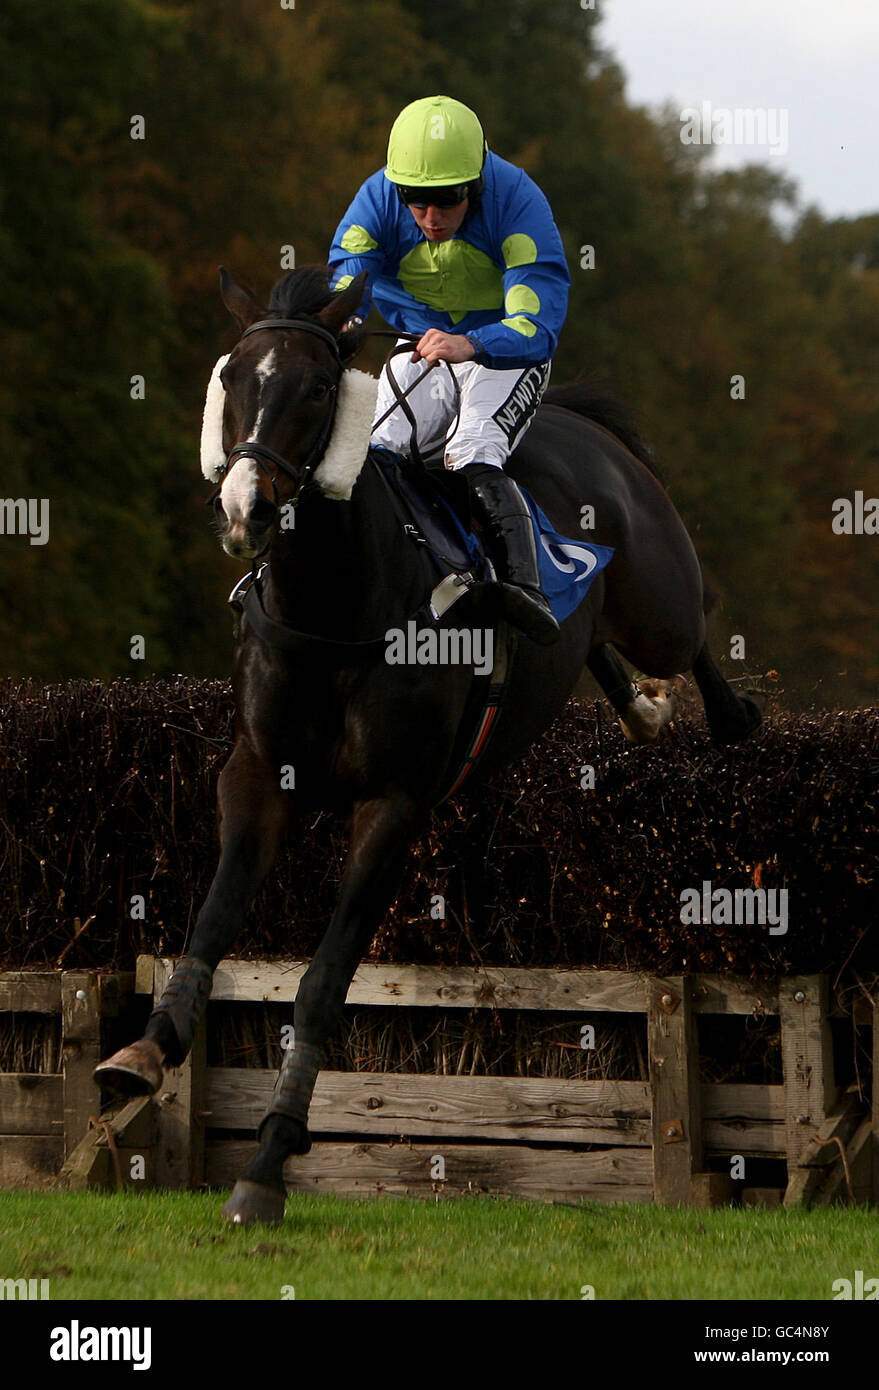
<point>161,1245</point>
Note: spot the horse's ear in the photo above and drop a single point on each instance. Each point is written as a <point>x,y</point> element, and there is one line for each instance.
<point>242,305</point>
<point>343,304</point>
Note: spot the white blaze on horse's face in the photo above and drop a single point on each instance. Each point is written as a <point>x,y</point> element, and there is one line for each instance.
<point>240,491</point>
<point>238,497</point>
<point>265,370</point>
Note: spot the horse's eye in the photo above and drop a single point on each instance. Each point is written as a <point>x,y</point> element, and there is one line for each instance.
<point>320,391</point>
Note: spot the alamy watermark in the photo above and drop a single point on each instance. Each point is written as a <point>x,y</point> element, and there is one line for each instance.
<point>25,516</point>
<point>75,1343</point>
<point>739,125</point>
<point>24,1289</point>
<point>445,646</point>
<point>855,516</point>
<point>856,1289</point>
<point>739,906</point>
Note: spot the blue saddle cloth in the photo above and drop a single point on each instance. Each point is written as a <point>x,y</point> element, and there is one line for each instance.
<point>567,567</point>
<point>436,503</point>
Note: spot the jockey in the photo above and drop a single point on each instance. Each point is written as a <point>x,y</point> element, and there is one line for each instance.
<point>461,247</point>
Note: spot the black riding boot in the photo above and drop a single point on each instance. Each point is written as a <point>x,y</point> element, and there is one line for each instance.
<point>504,513</point>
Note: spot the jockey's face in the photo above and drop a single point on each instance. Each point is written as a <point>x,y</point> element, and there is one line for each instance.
<point>438,224</point>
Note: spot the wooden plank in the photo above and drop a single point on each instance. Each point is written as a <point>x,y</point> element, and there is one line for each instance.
<point>488,1107</point>
<point>91,1164</point>
<point>553,990</point>
<point>31,1103</point>
<point>738,1117</point>
<point>835,1187</point>
<point>712,1189</point>
<point>455,987</point>
<point>144,975</point>
<point>807,1058</point>
<point>179,1152</point>
<point>762,1196</point>
<point>729,994</point>
<point>451,987</point>
<point>37,992</point>
<point>613,1175</point>
<point>30,1160</point>
<point>673,1053</point>
<point>80,1051</point>
<point>860,1160</point>
<point>806,1176</point>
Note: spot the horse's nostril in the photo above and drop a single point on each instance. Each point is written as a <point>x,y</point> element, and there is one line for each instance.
<point>262,514</point>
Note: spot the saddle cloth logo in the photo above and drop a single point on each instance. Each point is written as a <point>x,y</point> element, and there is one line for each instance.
<point>566,567</point>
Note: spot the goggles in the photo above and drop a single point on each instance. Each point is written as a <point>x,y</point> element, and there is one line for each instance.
<point>447,197</point>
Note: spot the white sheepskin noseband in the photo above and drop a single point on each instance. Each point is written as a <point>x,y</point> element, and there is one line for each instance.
<point>345,453</point>
<point>212,455</point>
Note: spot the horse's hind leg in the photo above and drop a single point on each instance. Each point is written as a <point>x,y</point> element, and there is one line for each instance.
<point>381,832</point>
<point>644,707</point>
<point>731,717</point>
<point>253,812</point>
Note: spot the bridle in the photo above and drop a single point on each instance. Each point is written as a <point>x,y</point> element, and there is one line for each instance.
<point>246,597</point>
<point>261,453</point>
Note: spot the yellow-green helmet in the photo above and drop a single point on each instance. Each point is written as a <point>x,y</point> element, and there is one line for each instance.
<point>435,142</point>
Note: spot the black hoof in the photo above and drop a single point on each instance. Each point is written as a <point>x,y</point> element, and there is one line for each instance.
<point>748,718</point>
<point>251,1203</point>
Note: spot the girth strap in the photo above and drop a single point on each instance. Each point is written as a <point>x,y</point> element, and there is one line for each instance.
<point>483,707</point>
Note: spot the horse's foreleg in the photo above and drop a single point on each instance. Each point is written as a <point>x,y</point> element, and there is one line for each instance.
<point>644,707</point>
<point>381,833</point>
<point>252,814</point>
<point>731,717</point>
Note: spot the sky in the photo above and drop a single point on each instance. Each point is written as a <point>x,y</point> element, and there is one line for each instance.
<point>811,66</point>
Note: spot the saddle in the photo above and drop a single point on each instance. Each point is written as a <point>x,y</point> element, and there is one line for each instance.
<point>434,511</point>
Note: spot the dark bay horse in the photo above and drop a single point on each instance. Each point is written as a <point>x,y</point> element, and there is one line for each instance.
<point>375,740</point>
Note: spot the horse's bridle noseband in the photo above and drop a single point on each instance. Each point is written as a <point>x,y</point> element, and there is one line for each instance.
<point>261,453</point>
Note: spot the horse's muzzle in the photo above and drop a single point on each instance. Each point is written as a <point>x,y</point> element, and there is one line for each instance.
<point>249,538</point>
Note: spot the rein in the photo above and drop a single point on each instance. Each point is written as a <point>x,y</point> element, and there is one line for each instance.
<point>263,455</point>
<point>247,596</point>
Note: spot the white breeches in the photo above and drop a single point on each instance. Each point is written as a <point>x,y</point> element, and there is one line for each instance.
<point>496,409</point>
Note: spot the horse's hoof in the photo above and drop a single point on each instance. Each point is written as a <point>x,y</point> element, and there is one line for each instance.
<point>132,1071</point>
<point>251,1203</point>
<point>748,718</point>
<point>652,708</point>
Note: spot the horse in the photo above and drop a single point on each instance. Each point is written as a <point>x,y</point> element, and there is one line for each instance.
<point>375,741</point>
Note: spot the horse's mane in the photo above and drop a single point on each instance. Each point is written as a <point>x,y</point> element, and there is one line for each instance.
<point>592,399</point>
<point>302,291</point>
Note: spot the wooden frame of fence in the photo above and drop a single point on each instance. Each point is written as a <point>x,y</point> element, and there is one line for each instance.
<point>382,1132</point>
<point>43,1115</point>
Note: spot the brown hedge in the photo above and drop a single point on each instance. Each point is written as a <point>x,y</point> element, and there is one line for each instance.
<point>107,791</point>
